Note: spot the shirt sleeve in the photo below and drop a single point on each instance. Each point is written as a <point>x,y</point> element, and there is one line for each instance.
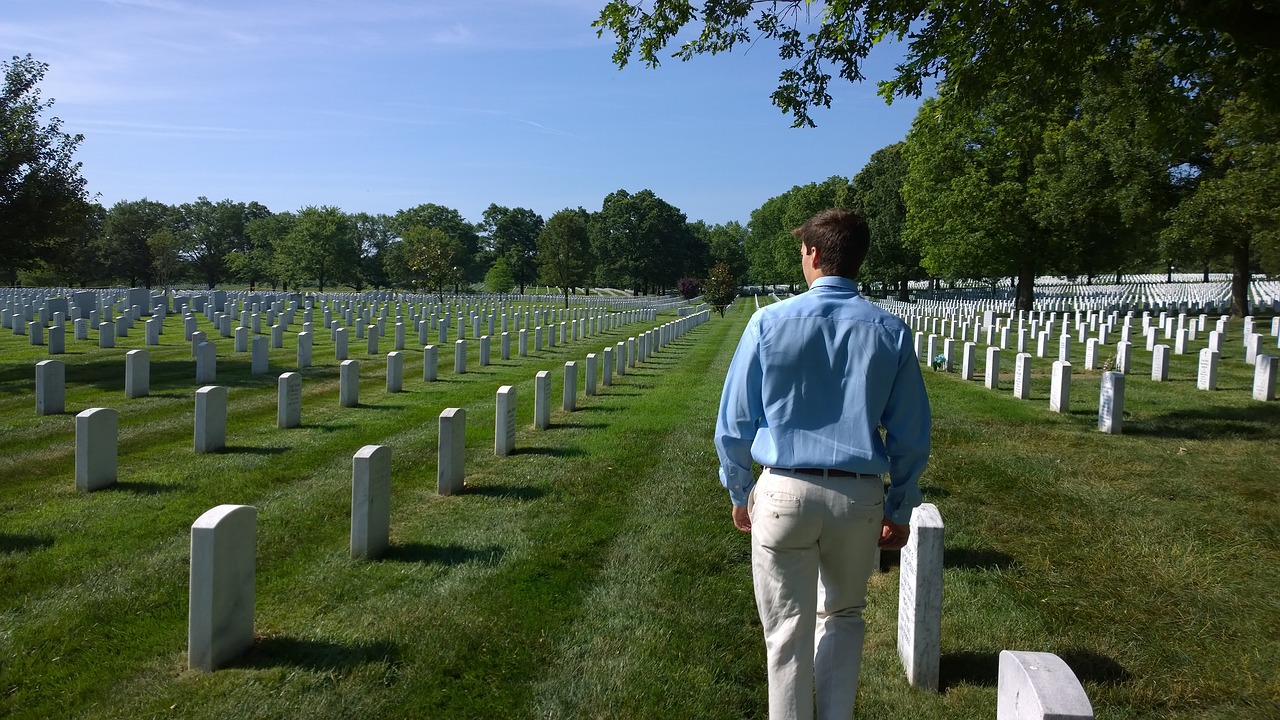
<point>741,410</point>
<point>907,423</point>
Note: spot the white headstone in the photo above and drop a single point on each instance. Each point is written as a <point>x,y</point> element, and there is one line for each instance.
<point>304,349</point>
<point>570,386</point>
<point>51,387</point>
<point>1160,363</point>
<point>211,419</point>
<point>460,356</point>
<point>258,360</point>
<point>591,372</point>
<point>97,435</point>
<point>1207,375</point>
<point>504,421</point>
<point>920,599</point>
<point>137,374</point>
<point>224,546</point>
<point>429,355</point>
<point>395,371</point>
<point>340,344</point>
<point>542,400</point>
<point>289,400</point>
<point>1039,686</point>
<point>1111,403</point>
<point>452,451</point>
<point>206,362</point>
<point>1022,376</point>
<point>107,334</point>
<point>606,367</point>
<point>1060,390</point>
<point>993,368</point>
<point>969,361</point>
<point>349,383</point>
<point>370,501</point>
<point>1264,377</point>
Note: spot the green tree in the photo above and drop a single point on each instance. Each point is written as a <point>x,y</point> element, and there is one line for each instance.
<point>512,234</point>
<point>564,251</point>
<point>878,196</point>
<point>42,196</point>
<point>968,209</point>
<point>465,243</point>
<point>1023,47</point>
<point>727,244</point>
<point>320,248</point>
<point>499,279</point>
<point>126,232</point>
<point>639,241</point>
<point>212,231</point>
<point>74,260</point>
<point>166,256</point>
<point>256,263</point>
<point>772,248</point>
<point>1232,216</point>
<point>721,287</point>
<point>374,234</point>
<point>426,258</point>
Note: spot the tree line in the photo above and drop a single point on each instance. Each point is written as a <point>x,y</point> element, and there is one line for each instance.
<point>1078,138</point>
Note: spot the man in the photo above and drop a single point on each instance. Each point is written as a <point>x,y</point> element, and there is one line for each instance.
<point>814,380</point>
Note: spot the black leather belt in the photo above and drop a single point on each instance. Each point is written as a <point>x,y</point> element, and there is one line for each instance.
<point>825,472</point>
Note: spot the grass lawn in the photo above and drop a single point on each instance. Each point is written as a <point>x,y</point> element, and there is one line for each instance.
<point>595,573</point>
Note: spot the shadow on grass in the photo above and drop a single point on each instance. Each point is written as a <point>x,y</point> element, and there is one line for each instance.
<point>964,558</point>
<point>1252,422</point>
<point>933,491</point>
<point>983,668</point>
<point>316,655</point>
<point>414,552</point>
<point>138,487</point>
<point>247,450</point>
<point>550,451</point>
<point>1090,666</point>
<point>504,492</point>
<point>581,424</point>
<point>599,408</point>
<point>969,667</point>
<point>24,543</point>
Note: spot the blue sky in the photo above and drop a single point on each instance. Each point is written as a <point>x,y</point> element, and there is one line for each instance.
<point>381,105</point>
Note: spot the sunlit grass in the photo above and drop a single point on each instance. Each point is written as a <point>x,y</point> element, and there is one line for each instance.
<point>595,573</point>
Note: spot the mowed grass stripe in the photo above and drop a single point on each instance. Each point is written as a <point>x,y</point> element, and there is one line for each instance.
<point>513,550</point>
<point>95,547</point>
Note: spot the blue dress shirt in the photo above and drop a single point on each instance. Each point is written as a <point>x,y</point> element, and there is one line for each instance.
<point>814,380</point>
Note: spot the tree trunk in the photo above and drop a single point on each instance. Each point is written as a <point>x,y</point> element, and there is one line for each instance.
<point>1241,277</point>
<point>1118,275</point>
<point>1026,286</point>
<point>1206,273</point>
<point>904,291</point>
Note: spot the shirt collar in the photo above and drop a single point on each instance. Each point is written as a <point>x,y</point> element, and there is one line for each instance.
<point>834,281</point>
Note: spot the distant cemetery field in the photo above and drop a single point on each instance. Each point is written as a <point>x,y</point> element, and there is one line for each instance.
<point>591,570</point>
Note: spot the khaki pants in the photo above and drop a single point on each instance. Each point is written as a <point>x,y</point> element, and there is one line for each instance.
<point>813,544</point>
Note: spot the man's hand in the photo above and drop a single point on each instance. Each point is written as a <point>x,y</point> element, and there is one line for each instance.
<point>741,518</point>
<point>892,535</point>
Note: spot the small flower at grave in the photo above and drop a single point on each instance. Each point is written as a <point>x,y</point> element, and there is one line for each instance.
<point>939,362</point>
<point>1109,364</point>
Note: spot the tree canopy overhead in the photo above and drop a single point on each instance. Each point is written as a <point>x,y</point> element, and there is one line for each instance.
<point>973,43</point>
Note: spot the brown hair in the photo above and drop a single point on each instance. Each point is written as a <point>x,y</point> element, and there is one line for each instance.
<point>842,238</point>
